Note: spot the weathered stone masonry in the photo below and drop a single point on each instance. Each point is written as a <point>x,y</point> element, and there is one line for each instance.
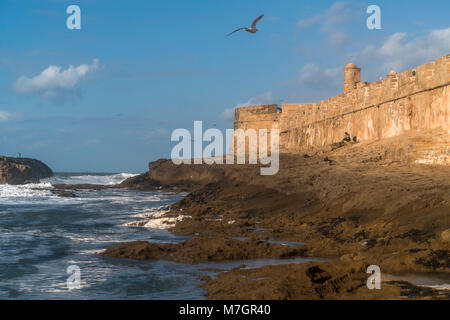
<point>416,100</point>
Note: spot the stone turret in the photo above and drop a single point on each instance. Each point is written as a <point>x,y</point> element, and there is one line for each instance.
<point>352,76</point>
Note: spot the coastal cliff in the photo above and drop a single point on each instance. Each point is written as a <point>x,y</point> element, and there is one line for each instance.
<point>22,170</point>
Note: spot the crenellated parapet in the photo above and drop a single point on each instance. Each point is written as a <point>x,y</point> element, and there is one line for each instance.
<point>414,100</point>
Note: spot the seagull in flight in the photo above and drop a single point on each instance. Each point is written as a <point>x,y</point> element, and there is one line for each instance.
<point>252,29</point>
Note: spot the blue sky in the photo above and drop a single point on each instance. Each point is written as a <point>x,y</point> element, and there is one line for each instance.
<point>141,69</point>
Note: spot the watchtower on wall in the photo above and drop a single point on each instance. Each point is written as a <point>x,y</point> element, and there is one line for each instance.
<point>352,76</point>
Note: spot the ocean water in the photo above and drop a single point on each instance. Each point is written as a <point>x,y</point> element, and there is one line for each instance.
<point>42,235</point>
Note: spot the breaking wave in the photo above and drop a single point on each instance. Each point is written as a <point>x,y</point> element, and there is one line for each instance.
<point>35,193</point>
<point>102,179</point>
<point>154,218</point>
<point>35,190</point>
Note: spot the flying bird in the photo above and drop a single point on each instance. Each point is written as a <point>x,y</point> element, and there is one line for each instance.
<point>252,29</point>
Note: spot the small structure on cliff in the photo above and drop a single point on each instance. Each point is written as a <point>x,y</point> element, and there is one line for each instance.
<point>416,100</point>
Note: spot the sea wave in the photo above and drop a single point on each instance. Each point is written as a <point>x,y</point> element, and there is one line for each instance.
<point>158,223</point>
<point>100,179</point>
<point>32,190</point>
<point>36,192</point>
<point>155,219</point>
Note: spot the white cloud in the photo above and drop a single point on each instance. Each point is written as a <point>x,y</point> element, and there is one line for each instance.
<point>6,116</point>
<point>318,83</point>
<point>331,21</point>
<point>338,12</point>
<point>54,83</point>
<point>399,54</point>
<point>396,52</point>
<point>312,75</point>
<point>337,38</point>
<point>227,114</point>
<point>161,132</point>
<point>265,98</point>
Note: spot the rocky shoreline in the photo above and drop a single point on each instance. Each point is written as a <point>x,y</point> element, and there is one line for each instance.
<point>357,210</point>
<point>203,248</point>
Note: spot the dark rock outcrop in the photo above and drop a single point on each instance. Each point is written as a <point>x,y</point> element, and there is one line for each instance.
<point>164,175</point>
<point>203,249</point>
<point>22,170</point>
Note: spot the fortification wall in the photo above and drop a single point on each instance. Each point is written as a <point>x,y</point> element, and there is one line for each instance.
<point>257,117</point>
<point>422,111</point>
<point>417,99</point>
<point>260,117</point>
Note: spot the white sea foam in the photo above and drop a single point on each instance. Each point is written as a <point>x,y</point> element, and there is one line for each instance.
<point>107,180</point>
<point>163,223</point>
<point>151,213</point>
<point>79,238</point>
<point>93,251</point>
<point>444,286</point>
<point>155,219</point>
<point>32,194</point>
<point>36,193</point>
<point>37,190</point>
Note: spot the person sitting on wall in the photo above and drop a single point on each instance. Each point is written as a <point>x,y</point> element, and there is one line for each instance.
<point>347,137</point>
